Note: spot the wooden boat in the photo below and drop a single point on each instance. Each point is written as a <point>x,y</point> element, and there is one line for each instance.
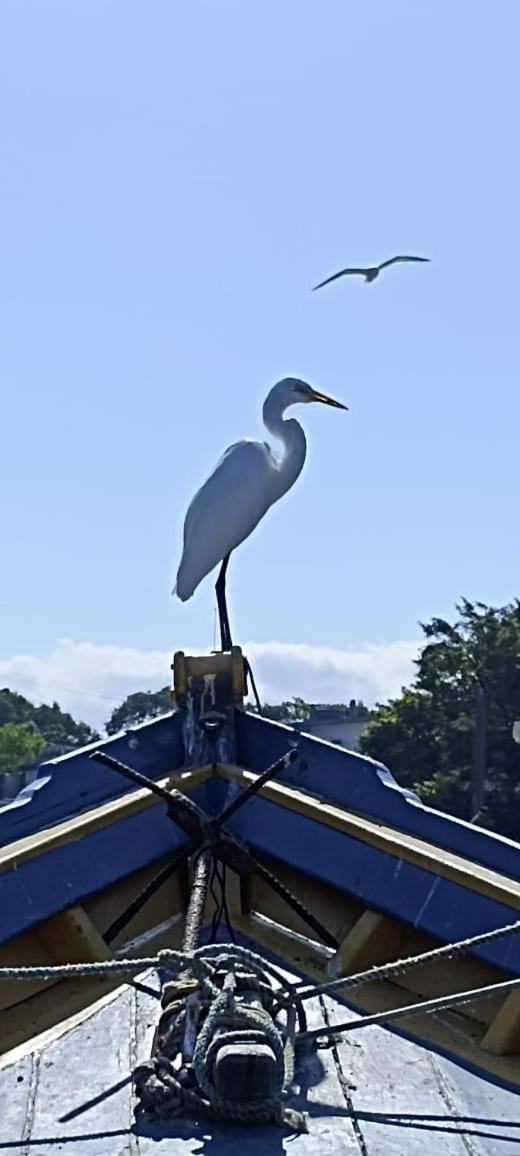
<point>325,869</point>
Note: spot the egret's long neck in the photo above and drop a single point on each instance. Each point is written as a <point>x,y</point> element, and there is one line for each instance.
<point>290,433</point>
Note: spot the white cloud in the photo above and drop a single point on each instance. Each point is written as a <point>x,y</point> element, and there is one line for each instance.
<point>324,674</point>
<point>90,680</point>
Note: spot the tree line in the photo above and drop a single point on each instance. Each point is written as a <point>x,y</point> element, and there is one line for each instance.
<point>29,733</point>
<point>448,736</point>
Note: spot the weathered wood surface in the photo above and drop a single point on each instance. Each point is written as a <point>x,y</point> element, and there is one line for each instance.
<point>376,1094</point>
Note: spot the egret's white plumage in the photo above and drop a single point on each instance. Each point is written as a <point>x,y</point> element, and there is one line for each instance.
<point>244,484</point>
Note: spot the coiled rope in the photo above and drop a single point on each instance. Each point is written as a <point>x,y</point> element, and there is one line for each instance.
<point>164,1090</point>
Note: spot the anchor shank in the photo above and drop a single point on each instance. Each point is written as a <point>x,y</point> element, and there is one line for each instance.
<point>182,810</point>
<point>131,774</point>
<point>197,901</point>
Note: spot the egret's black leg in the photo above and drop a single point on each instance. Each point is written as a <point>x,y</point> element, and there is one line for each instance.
<point>220,590</point>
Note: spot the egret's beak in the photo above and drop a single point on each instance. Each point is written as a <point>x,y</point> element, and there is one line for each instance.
<point>327,400</point>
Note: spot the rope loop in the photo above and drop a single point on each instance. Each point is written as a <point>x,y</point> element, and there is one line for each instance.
<point>220,974</point>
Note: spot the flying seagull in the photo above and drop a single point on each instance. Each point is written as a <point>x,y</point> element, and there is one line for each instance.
<point>371,271</point>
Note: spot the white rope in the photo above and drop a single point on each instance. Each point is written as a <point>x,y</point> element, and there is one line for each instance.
<point>168,959</point>
<point>75,970</point>
<point>424,1008</point>
<point>173,960</point>
<point>402,966</point>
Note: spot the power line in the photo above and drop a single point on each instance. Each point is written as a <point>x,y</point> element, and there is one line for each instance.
<point>69,688</point>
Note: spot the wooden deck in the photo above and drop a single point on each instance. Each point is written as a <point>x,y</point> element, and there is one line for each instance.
<point>376,1094</point>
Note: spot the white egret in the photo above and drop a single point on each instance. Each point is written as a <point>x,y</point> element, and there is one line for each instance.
<point>370,272</point>
<point>247,480</point>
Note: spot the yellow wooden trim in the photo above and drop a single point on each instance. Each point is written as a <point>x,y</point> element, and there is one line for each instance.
<point>400,845</point>
<point>79,826</point>
<point>186,666</point>
<point>407,848</point>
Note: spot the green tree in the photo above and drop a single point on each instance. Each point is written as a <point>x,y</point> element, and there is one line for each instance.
<point>137,708</point>
<point>297,708</point>
<point>288,711</point>
<point>20,743</point>
<point>13,707</point>
<point>427,735</point>
<point>55,725</point>
<point>59,727</point>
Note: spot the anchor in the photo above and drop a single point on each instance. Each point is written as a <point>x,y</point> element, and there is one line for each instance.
<point>222,1046</point>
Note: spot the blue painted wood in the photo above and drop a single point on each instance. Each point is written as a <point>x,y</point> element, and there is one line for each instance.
<point>367,787</point>
<point>429,903</point>
<point>381,1093</point>
<point>43,886</point>
<point>69,874</point>
<point>73,783</point>
<point>490,1110</point>
<point>411,1101</point>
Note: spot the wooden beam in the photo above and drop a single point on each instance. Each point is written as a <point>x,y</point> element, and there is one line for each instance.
<point>233,895</point>
<point>71,937</point>
<point>435,1031</point>
<point>503,1035</point>
<point>24,951</point>
<point>105,906</point>
<point>374,939</point>
<point>233,900</point>
<point>337,910</point>
<point>186,666</point>
<point>305,956</point>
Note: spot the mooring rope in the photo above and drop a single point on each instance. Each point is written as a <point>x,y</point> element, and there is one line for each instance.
<point>164,1090</point>
<point>173,960</point>
<point>403,966</point>
<point>425,1007</point>
<point>203,964</point>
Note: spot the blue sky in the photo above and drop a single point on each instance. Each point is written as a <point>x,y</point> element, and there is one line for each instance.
<point>175,178</point>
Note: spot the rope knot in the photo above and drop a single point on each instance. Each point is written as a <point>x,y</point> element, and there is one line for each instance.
<point>238,1045</point>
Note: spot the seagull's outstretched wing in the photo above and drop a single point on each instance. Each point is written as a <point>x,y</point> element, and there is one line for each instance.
<point>342,273</point>
<point>395,260</point>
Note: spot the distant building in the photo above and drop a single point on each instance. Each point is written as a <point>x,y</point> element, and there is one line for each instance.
<point>325,722</point>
